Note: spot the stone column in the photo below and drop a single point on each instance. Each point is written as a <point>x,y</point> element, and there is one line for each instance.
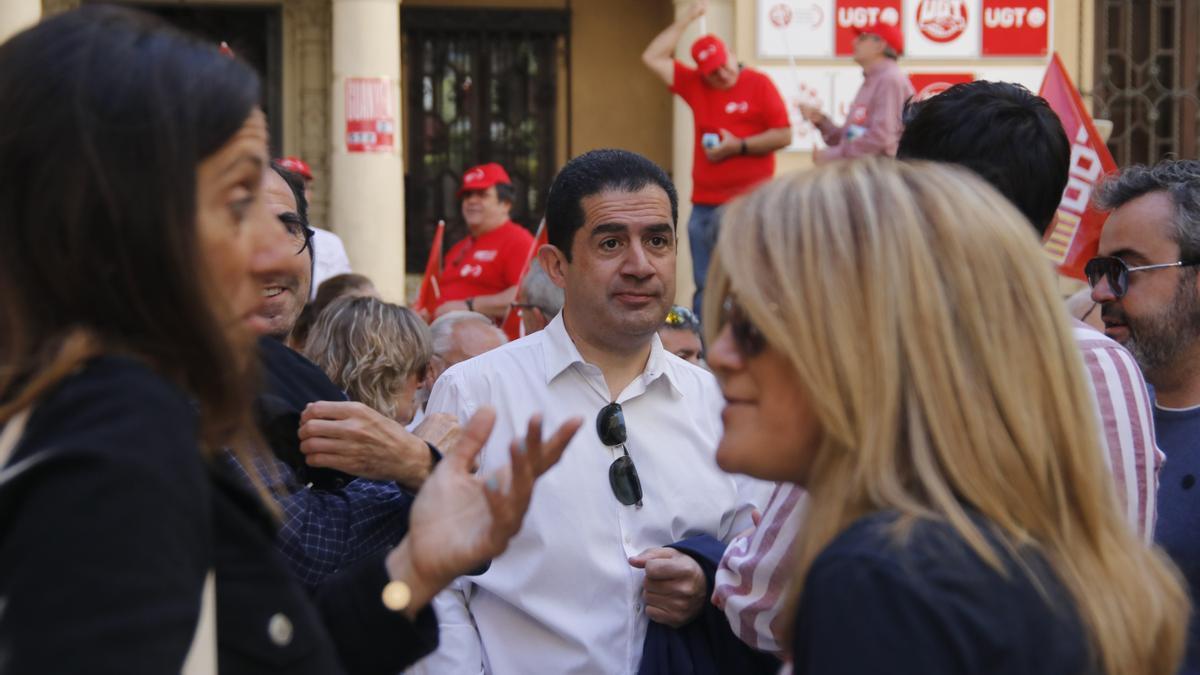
<point>719,20</point>
<point>307,34</point>
<point>367,195</point>
<point>17,15</point>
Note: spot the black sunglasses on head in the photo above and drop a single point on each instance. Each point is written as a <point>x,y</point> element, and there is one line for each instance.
<point>1116,272</point>
<point>682,317</point>
<point>622,474</point>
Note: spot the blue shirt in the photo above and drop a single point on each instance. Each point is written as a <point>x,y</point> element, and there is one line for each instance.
<point>1178,529</point>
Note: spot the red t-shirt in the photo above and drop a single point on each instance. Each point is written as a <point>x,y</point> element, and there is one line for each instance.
<point>751,106</point>
<point>487,264</point>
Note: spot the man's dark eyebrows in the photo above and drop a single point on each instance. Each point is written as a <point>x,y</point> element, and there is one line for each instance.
<point>619,228</point>
<point>609,228</point>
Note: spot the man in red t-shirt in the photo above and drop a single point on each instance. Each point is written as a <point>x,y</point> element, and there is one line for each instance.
<point>741,120</point>
<point>483,269</point>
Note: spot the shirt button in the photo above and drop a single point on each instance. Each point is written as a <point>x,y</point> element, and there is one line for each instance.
<point>628,539</point>
<point>279,628</point>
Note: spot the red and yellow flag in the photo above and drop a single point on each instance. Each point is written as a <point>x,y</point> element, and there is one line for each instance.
<point>1075,235</point>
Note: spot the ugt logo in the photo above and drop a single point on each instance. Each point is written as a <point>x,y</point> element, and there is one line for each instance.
<point>942,20</point>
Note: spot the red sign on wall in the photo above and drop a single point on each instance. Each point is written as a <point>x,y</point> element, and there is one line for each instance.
<point>1016,27</point>
<point>370,120</point>
<point>862,14</point>
<point>928,85</point>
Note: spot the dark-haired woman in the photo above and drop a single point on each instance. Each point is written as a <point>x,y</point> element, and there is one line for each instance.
<point>131,161</point>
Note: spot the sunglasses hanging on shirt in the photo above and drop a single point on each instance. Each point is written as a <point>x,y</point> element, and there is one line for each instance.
<point>622,474</point>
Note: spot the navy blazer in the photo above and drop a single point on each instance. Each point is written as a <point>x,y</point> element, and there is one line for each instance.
<point>110,518</point>
<point>706,645</point>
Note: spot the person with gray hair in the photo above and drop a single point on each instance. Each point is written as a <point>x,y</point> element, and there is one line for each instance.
<point>459,336</point>
<point>1148,287</point>
<point>539,300</point>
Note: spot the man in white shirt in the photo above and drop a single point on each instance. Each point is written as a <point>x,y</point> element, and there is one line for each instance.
<point>591,567</point>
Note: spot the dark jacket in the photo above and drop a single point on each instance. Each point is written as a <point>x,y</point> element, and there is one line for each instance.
<point>706,645</point>
<point>290,383</point>
<point>109,521</point>
<point>926,604</point>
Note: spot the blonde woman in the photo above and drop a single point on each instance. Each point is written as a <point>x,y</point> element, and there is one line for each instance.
<point>376,351</point>
<point>890,338</point>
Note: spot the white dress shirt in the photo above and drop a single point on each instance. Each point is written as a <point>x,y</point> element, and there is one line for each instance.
<point>563,598</point>
<point>329,259</point>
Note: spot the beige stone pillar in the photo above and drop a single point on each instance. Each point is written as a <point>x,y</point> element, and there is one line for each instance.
<point>719,20</point>
<point>17,15</point>
<point>367,196</point>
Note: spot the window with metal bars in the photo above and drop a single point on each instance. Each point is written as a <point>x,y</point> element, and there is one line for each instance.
<point>480,86</point>
<point>1148,77</point>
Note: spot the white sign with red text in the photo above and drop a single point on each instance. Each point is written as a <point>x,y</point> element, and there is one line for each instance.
<point>942,28</point>
<point>795,28</point>
<point>833,88</point>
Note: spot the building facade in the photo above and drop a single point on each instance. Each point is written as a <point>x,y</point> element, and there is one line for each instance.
<point>390,100</point>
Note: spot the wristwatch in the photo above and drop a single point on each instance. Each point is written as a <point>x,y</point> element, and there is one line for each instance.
<point>743,146</point>
<point>396,596</point>
<point>471,302</point>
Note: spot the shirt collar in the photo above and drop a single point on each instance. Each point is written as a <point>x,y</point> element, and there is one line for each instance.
<point>883,65</point>
<point>560,353</point>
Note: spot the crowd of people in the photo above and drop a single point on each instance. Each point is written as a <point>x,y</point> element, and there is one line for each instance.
<point>886,446</point>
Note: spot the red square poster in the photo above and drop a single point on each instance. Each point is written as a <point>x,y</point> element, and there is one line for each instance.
<point>370,120</point>
<point>1016,27</point>
<point>851,15</point>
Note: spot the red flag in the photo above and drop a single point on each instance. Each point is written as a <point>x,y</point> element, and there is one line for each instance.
<point>513,327</point>
<point>430,295</point>
<point>1075,236</point>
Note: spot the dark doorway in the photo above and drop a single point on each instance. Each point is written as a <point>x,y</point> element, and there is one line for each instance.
<point>254,35</point>
<point>480,86</point>
<point>1148,77</point>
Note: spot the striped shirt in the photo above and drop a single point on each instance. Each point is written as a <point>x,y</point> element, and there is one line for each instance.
<point>1126,426</point>
<point>752,583</point>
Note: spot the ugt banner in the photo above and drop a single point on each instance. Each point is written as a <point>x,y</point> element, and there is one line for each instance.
<point>1075,235</point>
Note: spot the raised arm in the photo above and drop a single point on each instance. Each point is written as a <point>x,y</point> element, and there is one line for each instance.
<point>660,53</point>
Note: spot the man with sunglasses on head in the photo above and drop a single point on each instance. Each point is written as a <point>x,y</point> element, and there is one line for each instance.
<point>1013,140</point>
<point>680,335</point>
<point>625,532</point>
<point>1146,280</point>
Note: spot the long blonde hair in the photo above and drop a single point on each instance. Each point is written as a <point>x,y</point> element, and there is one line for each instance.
<point>924,321</point>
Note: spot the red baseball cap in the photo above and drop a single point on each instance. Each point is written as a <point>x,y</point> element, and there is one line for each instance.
<point>709,53</point>
<point>483,177</point>
<point>296,165</point>
<point>889,34</point>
